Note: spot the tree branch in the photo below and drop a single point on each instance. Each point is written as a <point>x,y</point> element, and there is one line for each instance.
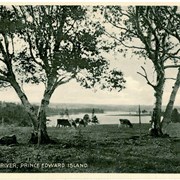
<point>6,43</point>
<point>2,50</point>
<point>115,25</point>
<point>12,41</point>
<point>72,25</point>
<point>2,72</point>
<point>3,78</point>
<point>171,66</point>
<point>171,79</point>
<point>142,37</point>
<point>30,49</point>
<point>62,81</point>
<point>145,76</point>
<point>121,41</point>
<point>58,35</point>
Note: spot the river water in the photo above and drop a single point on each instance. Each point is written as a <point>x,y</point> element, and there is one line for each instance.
<point>104,118</point>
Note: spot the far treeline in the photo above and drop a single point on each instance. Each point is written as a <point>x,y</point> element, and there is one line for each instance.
<point>12,113</point>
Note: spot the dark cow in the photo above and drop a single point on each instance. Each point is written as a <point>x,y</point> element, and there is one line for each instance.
<point>74,124</point>
<point>77,120</point>
<point>95,120</point>
<point>86,118</point>
<point>82,122</point>
<point>125,122</point>
<point>63,123</point>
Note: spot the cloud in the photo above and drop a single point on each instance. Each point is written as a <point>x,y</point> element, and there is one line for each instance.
<point>135,93</point>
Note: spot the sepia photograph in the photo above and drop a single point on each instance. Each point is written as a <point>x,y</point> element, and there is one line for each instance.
<point>89,88</point>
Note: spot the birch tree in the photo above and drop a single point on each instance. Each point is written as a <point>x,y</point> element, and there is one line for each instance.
<point>153,43</point>
<point>170,22</point>
<point>59,43</point>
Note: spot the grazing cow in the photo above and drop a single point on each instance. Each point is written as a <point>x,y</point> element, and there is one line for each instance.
<point>82,122</point>
<point>74,124</point>
<point>95,120</point>
<point>86,118</point>
<point>63,123</point>
<point>125,123</point>
<point>77,120</point>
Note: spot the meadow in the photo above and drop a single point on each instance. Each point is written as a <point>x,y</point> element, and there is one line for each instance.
<point>91,149</point>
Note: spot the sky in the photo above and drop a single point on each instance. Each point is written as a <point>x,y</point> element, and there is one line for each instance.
<point>137,91</point>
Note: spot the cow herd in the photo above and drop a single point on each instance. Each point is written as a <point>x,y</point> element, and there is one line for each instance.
<point>83,122</point>
<point>78,122</point>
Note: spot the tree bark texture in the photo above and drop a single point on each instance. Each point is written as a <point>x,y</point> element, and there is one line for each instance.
<point>42,136</point>
<point>38,120</point>
<point>28,107</point>
<point>156,118</point>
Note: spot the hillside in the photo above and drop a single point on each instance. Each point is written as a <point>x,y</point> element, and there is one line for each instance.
<point>123,108</point>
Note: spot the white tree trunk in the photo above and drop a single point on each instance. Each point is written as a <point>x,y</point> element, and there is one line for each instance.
<point>157,111</point>
<point>158,103</point>
<point>42,132</point>
<point>28,107</point>
<point>169,108</point>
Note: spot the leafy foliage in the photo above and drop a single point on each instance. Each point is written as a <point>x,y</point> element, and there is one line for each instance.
<point>52,45</point>
<point>56,43</point>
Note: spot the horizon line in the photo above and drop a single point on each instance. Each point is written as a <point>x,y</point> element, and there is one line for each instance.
<point>51,103</point>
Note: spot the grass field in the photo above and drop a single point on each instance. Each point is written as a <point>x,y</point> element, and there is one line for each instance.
<point>93,149</point>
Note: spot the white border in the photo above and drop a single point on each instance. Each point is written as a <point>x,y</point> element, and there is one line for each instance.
<point>88,176</point>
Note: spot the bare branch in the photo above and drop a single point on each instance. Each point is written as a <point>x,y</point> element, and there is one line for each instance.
<point>171,66</point>
<point>175,53</point>
<point>170,79</point>
<point>3,78</point>
<point>175,57</point>
<point>146,77</point>
<point>62,81</point>
<point>121,41</point>
<point>115,25</point>
<point>2,60</point>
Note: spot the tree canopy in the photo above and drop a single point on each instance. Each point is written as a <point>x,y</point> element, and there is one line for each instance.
<point>150,33</point>
<point>52,45</point>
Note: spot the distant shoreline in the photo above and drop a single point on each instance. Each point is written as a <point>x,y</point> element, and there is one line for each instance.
<point>128,115</point>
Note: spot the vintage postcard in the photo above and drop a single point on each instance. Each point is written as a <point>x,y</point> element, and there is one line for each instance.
<point>89,90</point>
